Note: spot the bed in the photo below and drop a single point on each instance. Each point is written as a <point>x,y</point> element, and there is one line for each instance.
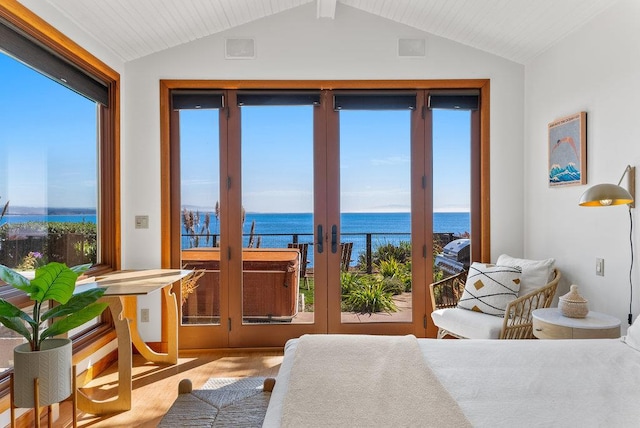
<point>525,383</point>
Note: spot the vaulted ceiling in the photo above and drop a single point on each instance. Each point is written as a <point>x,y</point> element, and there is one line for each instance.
<point>517,30</point>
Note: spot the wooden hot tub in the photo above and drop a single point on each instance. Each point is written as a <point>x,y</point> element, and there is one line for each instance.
<point>270,283</point>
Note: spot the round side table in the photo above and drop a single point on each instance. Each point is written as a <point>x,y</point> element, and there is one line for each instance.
<point>549,323</point>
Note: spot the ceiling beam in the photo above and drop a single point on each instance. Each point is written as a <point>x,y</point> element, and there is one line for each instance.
<point>327,8</point>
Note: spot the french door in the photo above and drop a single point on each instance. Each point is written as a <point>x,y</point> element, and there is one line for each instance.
<point>255,172</point>
<point>375,160</point>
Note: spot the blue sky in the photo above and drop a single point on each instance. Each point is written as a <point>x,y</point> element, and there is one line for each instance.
<point>47,137</point>
<point>47,141</point>
<point>277,159</point>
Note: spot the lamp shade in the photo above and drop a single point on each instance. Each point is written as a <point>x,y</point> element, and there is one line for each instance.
<point>602,195</point>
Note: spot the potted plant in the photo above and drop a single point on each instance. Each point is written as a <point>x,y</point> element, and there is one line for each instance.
<point>44,356</point>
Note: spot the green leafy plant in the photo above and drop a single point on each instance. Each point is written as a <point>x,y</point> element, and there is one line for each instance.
<point>405,275</point>
<point>393,285</point>
<point>389,268</point>
<point>348,282</point>
<point>53,281</point>
<point>369,297</point>
<point>400,252</point>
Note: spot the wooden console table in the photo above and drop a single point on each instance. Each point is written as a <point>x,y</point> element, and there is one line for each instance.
<point>122,289</point>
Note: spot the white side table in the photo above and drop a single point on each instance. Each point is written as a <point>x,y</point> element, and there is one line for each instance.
<point>549,323</point>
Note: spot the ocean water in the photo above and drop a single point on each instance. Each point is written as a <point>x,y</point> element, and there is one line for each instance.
<point>277,230</point>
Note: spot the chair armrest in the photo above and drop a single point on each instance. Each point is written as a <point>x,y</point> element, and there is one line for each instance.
<point>446,292</point>
<point>518,322</point>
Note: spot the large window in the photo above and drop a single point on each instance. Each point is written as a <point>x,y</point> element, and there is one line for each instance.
<point>49,171</point>
<point>59,154</point>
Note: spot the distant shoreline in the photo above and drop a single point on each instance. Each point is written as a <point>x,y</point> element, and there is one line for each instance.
<point>30,211</point>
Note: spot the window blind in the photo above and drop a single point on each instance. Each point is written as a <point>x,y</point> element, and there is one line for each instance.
<point>278,98</point>
<point>196,99</point>
<point>375,100</point>
<point>44,61</point>
<point>458,100</point>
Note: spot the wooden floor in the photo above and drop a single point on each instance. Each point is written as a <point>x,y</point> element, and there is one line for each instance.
<point>155,387</point>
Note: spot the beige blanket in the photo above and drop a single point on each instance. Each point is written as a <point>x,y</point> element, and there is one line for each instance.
<point>365,381</point>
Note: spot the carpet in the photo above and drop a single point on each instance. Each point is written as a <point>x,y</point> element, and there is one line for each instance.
<point>221,402</point>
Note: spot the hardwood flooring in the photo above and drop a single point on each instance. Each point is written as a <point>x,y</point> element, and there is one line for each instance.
<point>155,387</point>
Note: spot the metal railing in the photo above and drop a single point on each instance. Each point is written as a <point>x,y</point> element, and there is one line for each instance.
<point>364,244</point>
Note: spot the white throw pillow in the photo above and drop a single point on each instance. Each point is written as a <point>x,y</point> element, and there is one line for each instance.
<point>633,335</point>
<point>490,288</point>
<point>535,273</point>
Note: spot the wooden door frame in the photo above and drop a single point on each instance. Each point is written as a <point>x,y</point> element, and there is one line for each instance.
<point>480,212</point>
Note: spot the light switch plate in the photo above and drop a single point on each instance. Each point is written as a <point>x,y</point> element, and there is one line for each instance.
<point>142,222</point>
<point>600,267</point>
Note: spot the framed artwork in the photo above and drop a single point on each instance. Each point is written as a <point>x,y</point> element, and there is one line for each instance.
<point>568,150</point>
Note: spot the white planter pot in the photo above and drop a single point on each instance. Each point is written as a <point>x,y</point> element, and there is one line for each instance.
<point>51,365</point>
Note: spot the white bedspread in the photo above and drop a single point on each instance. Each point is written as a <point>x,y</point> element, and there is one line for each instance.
<point>525,383</point>
<point>364,381</point>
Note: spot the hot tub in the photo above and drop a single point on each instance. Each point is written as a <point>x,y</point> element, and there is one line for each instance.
<point>270,283</point>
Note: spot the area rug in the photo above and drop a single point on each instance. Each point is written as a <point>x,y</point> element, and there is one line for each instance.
<point>221,402</point>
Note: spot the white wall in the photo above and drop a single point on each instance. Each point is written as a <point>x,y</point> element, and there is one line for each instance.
<point>595,70</point>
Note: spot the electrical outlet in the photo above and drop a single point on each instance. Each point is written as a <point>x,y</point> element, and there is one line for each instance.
<point>600,267</point>
<point>144,315</point>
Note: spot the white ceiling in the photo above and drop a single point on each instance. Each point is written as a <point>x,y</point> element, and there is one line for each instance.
<point>517,30</point>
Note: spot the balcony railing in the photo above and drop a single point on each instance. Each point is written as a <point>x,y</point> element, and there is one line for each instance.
<point>363,243</point>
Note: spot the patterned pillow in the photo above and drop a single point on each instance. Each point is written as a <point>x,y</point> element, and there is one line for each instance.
<point>490,288</point>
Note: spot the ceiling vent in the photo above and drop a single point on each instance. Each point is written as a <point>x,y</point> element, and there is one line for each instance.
<point>412,47</point>
<point>239,48</point>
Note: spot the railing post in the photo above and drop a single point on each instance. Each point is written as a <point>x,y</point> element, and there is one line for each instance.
<point>295,238</point>
<point>369,267</point>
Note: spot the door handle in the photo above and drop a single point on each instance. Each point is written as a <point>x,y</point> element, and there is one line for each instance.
<point>334,239</point>
<point>319,243</point>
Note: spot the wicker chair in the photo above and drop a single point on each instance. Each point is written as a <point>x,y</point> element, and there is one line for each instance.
<point>516,324</point>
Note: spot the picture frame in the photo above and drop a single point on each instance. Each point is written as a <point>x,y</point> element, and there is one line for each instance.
<point>568,150</point>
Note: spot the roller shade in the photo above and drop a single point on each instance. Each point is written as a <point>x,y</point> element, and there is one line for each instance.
<point>196,99</point>
<point>278,98</point>
<point>42,60</point>
<point>467,100</point>
<point>375,100</point>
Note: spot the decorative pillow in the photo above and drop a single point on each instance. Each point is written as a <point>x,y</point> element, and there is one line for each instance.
<point>490,288</point>
<point>535,273</point>
<point>633,335</point>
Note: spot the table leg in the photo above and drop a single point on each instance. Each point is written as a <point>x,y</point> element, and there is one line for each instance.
<point>170,308</point>
<point>122,401</point>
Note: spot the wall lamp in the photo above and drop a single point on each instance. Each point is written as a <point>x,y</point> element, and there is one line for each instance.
<point>604,195</point>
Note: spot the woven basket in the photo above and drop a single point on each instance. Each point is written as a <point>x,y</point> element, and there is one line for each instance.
<point>572,304</point>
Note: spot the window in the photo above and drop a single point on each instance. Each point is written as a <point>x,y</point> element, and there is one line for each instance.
<point>49,171</point>
<point>76,169</point>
